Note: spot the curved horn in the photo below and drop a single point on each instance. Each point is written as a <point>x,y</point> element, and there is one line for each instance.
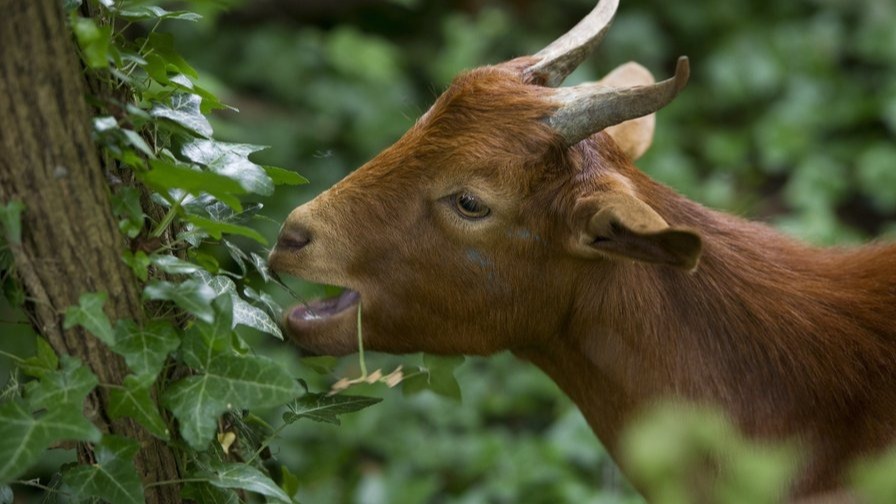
<point>563,55</point>
<point>588,108</point>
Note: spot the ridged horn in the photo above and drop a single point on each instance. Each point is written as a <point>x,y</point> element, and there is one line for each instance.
<point>563,55</point>
<point>588,108</point>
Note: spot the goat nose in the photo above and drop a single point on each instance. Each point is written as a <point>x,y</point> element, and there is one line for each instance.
<point>293,239</point>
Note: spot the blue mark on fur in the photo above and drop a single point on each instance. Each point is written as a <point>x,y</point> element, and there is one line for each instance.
<point>477,257</point>
<point>523,234</point>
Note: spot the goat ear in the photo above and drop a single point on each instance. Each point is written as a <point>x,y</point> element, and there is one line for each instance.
<point>619,225</point>
<point>635,136</point>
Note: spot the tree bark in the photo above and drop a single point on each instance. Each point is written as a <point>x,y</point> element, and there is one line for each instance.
<point>71,243</point>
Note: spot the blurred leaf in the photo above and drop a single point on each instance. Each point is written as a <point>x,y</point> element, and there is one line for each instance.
<point>143,12</point>
<point>877,175</point>
<point>326,408</point>
<point>45,361</point>
<point>281,176</point>
<point>6,495</point>
<point>205,493</point>
<point>173,265</point>
<point>323,364</point>
<point>436,374</point>
<point>192,295</point>
<point>112,477</point>
<point>162,44</point>
<point>873,479</point>
<point>89,314</point>
<point>138,262</point>
<point>11,221</point>
<point>134,401</point>
<point>94,41</point>
<point>216,229</point>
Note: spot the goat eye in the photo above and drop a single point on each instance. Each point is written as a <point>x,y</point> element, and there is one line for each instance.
<point>469,207</point>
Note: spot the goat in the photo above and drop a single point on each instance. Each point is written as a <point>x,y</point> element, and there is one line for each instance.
<point>510,217</point>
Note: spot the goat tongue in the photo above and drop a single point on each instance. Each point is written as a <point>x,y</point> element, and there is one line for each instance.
<point>324,308</point>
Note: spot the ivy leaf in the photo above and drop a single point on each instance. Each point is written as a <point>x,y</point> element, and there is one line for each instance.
<point>163,45</point>
<point>198,401</point>
<point>58,396</point>
<point>281,176</point>
<point>183,109</point>
<point>6,496</point>
<point>326,408</point>
<point>216,229</point>
<point>94,41</point>
<point>261,265</point>
<point>437,375</point>
<point>134,400</point>
<point>143,12</point>
<point>231,160</point>
<point>138,262</point>
<point>192,295</point>
<point>89,314</point>
<point>11,221</point>
<point>204,493</point>
<point>63,388</point>
<point>23,438</point>
<point>113,477</point>
<point>243,312</point>
<point>145,349</point>
<point>166,175</point>
<point>246,477</point>
<point>126,205</point>
<point>265,299</point>
<point>173,265</point>
<point>44,362</point>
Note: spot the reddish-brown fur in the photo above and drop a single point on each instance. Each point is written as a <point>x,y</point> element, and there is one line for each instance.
<point>794,342</point>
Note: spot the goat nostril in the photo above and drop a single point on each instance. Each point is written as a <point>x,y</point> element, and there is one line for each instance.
<point>293,239</point>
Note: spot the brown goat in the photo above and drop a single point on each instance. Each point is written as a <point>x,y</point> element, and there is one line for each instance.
<point>510,216</point>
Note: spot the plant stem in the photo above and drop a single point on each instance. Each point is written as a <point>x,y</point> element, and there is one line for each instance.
<point>361,345</point>
<point>13,357</point>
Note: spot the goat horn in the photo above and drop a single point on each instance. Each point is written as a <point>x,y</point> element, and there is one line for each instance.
<point>588,108</point>
<point>563,55</point>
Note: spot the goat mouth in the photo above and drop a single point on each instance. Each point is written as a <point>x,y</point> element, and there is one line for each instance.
<point>306,316</point>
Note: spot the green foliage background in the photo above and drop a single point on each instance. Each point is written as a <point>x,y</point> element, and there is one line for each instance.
<point>790,117</point>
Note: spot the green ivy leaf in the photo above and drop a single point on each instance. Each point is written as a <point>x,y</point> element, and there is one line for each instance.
<point>246,477</point>
<point>326,408</point>
<point>138,262</point>
<point>113,477</point>
<point>162,44</point>
<point>64,388</point>
<point>282,176</point>
<point>134,400</point>
<point>89,314</point>
<point>216,229</point>
<point>437,375</point>
<point>229,380</point>
<point>94,40</point>
<point>166,175</point>
<point>58,397</point>
<point>45,361</point>
<point>183,109</point>
<point>143,12</point>
<point>6,496</point>
<point>192,295</point>
<point>204,493</point>
<point>173,265</point>
<point>11,221</point>
<point>243,312</point>
<point>145,349</point>
<point>126,205</point>
<point>231,160</point>
<point>23,438</point>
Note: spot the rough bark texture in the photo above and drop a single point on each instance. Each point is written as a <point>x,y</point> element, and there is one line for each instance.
<point>71,244</point>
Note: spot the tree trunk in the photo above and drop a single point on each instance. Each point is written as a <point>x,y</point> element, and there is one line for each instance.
<point>71,243</point>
